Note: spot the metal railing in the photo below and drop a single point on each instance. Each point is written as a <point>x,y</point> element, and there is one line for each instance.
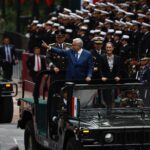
<point>17,69</point>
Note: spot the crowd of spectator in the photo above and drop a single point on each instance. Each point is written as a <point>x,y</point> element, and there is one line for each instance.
<point>125,25</point>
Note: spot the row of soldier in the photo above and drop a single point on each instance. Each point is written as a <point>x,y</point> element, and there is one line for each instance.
<point>97,24</point>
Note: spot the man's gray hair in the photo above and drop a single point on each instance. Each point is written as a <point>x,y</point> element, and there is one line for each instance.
<point>78,41</point>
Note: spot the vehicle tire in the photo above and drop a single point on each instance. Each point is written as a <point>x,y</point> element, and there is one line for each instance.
<point>73,145</point>
<point>29,138</point>
<point>6,109</point>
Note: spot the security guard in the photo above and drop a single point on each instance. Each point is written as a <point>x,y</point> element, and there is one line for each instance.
<point>131,99</point>
<point>57,62</point>
<point>96,52</point>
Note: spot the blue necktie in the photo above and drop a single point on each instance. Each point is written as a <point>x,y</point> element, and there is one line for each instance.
<point>8,54</point>
<point>76,56</point>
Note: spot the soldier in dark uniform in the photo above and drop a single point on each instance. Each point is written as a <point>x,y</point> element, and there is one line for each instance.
<point>57,62</point>
<point>131,99</point>
<point>117,44</point>
<point>125,54</point>
<point>145,41</point>
<point>136,37</point>
<point>96,52</point>
<point>143,74</point>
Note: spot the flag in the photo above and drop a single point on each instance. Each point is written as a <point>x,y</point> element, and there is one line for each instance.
<point>21,2</point>
<point>75,107</point>
<point>37,1</point>
<point>94,1</point>
<point>49,2</point>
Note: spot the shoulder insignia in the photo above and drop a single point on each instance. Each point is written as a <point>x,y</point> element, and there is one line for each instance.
<point>52,44</point>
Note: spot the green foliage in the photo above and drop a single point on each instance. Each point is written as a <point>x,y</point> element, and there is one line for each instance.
<point>25,10</point>
<point>10,18</point>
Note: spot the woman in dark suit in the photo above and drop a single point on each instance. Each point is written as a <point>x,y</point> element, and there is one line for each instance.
<point>110,69</point>
<point>110,64</point>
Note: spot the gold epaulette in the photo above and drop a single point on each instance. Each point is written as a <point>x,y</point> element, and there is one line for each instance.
<point>68,43</point>
<point>52,44</point>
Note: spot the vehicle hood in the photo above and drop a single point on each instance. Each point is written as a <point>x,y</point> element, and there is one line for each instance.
<point>116,119</point>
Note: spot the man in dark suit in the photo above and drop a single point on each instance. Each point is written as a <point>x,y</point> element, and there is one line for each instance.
<point>8,58</point>
<point>96,52</point>
<point>80,62</point>
<point>145,41</point>
<point>36,63</point>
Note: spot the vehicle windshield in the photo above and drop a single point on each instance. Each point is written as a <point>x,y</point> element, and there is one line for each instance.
<point>134,95</point>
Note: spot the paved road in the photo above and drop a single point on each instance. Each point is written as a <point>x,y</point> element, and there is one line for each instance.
<point>10,135</point>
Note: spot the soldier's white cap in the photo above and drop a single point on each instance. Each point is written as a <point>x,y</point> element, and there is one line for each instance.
<point>97,38</point>
<point>102,4</point>
<point>148,13</point>
<point>110,31</point>
<point>145,58</point>
<point>134,2</point>
<point>122,23</point>
<point>129,14</point>
<point>92,31</point>
<point>39,25</point>
<point>100,23</point>
<point>83,28</point>
<point>102,33</point>
<point>68,30</point>
<point>118,32</point>
<point>79,12</point>
<point>148,10</point>
<point>56,24</point>
<point>124,4</point>
<point>129,23</point>
<point>79,17</point>
<point>97,10</point>
<point>145,24</point>
<point>140,15</point>
<point>126,37</point>
<point>104,12</point>
<point>97,3</point>
<point>121,10</point>
<point>92,5</point>
<point>135,22</point>
<point>97,31</point>
<point>61,14</point>
<point>86,0</point>
<point>108,21</point>
<point>54,18</point>
<point>86,21</point>
<point>111,4</point>
<point>117,21</point>
<point>49,22</point>
<point>61,27</point>
<point>85,11</point>
<point>35,21</point>
<point>67,10</point>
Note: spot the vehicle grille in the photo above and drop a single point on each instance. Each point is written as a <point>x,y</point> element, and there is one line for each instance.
<point>129,136</point>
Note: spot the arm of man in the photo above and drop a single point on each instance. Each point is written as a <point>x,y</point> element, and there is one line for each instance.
<point>90,67</point>
<point>50,49</point>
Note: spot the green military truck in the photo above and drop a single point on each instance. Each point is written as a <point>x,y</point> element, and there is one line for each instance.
<point>75,116</point>
<point>7,91</point>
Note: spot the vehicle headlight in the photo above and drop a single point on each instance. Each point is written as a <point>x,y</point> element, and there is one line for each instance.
<point>109,138</point>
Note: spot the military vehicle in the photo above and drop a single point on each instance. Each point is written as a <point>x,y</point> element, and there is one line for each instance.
<point>76,115</point>
<point>7,91</point>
